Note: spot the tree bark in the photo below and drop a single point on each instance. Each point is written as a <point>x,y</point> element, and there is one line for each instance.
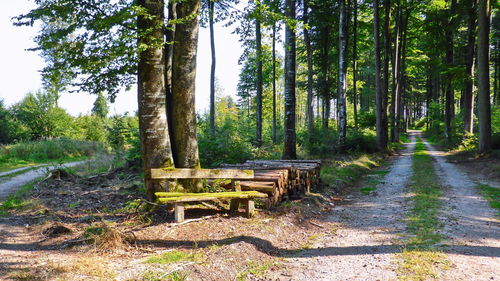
<point>483,76</point>
<point>395,78</point>
<point>468,96</point>
<point>258,43</point>
<point>342,83</point>
<point>183,87</point>
<point>275,138</point>
<point>169,53</point>
<point>289,151</point>
<point>155,140</point>
<point>355,64</point>
<point>449,94</point>
<point>387,56</point>
<point>380,112</point>
<point>325,80</point>
<point>211,7</point>
<point>309,105</point>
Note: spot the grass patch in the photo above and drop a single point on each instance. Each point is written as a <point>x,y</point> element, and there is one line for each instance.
<point>173,257</point>
<point>348,171</point>
<point>255,269</point>
<point>420,260</point>
<point>11,164</point>
<point>160,276</point>
<point>492,194</point>
<point>17,201</point>
<point>367,189</point>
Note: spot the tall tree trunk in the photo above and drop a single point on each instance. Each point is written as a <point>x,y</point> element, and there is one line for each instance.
<point>212,68</point>
<point>275,138</point>
<point>289,151</point>
<point>402,79</point>
<point>342,83</point>
<point>169,53</point>
<point>309,105</point>
<point>387,56</point>
<point>183,88</point>
<point>483,76</point>
<point>449,94</point>
<point>325,80</point>
<point>155,140</point>
<point>395,78</point>
<point>355,64</point>
<point>469,70</point>
<point>380,112</point>
<point>258,41</point>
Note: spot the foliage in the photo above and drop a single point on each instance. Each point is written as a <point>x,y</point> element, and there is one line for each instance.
<point>50,150</point>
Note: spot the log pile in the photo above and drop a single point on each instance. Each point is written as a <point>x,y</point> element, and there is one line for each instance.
<point>280,179</point>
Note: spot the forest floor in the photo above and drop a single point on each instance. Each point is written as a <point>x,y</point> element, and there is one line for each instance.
<point>94,228</point>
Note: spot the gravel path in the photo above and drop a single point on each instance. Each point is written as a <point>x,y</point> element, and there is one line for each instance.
<point>13,171</point>
<point>8,186</point>
<point>366,241</point>
<point>471,226</point>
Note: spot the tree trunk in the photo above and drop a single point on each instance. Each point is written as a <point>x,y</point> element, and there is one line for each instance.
<point>212,68</point>
<point>468,95</point>
<point>449,94</point>
<point>309,105</point>
<point>387,56</point>
<point>183,87</point>
<point>169,53</point>
<point>342,83</point>
<point>395,78</point>
<point>258,39</point>
<point>275,139</point>
<point>483,76</point>
<point>355,64</point>
<point>401,89</point>
<point>325,81</point>
<point>155,141</point>
<point>289,151</point>
<point>380,112</point>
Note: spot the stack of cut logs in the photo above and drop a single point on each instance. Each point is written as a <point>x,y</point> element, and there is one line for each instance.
<point>280,179</point>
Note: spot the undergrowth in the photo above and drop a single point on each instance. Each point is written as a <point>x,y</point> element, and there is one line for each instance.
<point>492,194</point>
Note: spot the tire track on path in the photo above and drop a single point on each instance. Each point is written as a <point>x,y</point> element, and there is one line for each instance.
<point>470,225</point>
<point>367,240</point>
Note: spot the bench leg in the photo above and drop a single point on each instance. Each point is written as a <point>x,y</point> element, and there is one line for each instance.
<point>250,208</point>
<point>234,205</point>
<point>179,212</point>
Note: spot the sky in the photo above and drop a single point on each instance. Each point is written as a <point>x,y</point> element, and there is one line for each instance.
<point>19,71</point>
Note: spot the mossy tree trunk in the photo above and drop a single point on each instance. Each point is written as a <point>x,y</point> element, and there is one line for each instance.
<point>183,88</point>
<point>155,140</point>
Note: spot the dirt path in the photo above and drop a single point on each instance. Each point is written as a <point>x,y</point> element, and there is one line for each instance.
<point>471,226</point>
<point>13,171</point>
<point>8,186</point>
<point>366,241</point>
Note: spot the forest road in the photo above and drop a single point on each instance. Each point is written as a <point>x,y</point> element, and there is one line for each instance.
<point>9,185</point>
<point>366,242</point>
<point>471,226</point>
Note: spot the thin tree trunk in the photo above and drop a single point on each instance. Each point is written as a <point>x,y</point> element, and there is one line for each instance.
<point>483,76</point>
<point>169,53</point>
<point>380,112</point>
<point>258,39</point>
<point>449,94</point>
<point>309,105</point>
<point>325,79</point>
<point>289,151</point>
<point>395,78</point>
<point>212,68</point>
<point>155,140</point>
<point>355,64</point>
<point>342,83</point>
<point>387,56</point>
<point>183,88</point>
<point>468,93</point>
<point>275,138</point>
<point>402,79</point>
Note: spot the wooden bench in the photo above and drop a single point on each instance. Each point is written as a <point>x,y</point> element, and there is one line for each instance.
<point>180,198</point>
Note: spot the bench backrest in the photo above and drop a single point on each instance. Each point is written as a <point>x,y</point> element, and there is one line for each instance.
<point>201,174</point>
